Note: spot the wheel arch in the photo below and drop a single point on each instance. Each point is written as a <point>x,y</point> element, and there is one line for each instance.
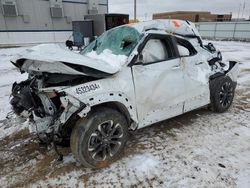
<point>120,107</point>
<point>216,75</point>
<point>114,100</point>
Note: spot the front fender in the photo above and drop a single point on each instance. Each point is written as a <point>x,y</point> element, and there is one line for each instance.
<point>116,97</point>
<point>233,70</point>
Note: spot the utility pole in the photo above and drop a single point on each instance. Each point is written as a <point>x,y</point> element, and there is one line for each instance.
<point>135,10</point>
<point>239,13</point>
<point>243,9</point>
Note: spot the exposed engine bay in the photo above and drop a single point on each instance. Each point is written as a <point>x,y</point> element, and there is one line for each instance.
<point>43,108</point>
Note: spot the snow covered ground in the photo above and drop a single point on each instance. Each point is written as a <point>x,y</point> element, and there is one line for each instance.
<point>198,149</point>
<point>8,75</point>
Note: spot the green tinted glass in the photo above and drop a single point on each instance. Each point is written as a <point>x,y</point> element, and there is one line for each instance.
<point>120,40</point>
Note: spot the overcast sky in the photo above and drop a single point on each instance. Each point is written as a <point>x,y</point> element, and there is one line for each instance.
<point>145,8</point>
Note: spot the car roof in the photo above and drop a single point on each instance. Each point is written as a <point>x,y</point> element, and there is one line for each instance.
<point>163,26</point>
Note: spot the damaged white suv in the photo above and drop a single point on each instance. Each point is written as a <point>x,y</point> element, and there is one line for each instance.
<point>130,77</point>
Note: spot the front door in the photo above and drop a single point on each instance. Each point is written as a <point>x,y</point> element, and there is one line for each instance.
<point>159,81</point>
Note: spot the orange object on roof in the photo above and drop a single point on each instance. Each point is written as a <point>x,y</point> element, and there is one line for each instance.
<point>176,23</point>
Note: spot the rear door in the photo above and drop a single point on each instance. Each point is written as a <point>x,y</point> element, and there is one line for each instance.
<point>159,81</point>
<point>196,75</point>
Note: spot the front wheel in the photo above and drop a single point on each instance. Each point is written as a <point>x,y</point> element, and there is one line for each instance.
<point>221,93</point>
<point>98,140</point>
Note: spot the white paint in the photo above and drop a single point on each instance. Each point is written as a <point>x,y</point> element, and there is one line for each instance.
<point>48,58</point>
<point>160,91</point>
<point>120,85</point>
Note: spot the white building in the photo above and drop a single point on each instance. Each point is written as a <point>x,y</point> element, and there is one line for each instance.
<point>39,21</point>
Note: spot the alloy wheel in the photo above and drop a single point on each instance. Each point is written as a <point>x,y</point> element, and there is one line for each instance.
<point>105,141</point>
<point>226,94</point>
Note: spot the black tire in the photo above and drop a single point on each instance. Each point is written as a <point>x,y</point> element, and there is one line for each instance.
<point>99,139</point>
<point>221,93</point>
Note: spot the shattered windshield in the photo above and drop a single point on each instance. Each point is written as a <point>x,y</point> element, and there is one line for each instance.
<point>120,41</point>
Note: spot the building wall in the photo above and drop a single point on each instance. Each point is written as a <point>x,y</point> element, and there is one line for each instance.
<point>42,27</point>
<point>193,16</point>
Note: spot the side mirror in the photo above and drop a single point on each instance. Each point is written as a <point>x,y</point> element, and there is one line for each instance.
<point>183,51</point>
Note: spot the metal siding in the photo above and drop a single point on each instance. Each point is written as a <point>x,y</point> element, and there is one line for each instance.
<point>225,30</point>
<point>102,9</point>
<point>207,27</point>
<point>99,23</point>
<point>224,34</point>
<point>103,1</point>
<point>242,35</point>
<point>42,28</point>
<point>224,27</point>
<point>205,34</point>
<point>40,16</point>
<point>2,22</point>
<point>243,26</point>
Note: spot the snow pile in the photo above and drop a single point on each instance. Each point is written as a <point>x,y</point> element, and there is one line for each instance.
<point>129,171</point>
<point>144,165</point>
<point>244,179</point>
<point>8,75</point>
<point>108,57</point>
<point>13,126</point>
<point>69,180</point>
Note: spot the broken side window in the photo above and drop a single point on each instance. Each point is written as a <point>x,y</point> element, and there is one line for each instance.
<point>154,51</point>
<point>120,41</point>
<point>158,49</point>
<point>185,47</point>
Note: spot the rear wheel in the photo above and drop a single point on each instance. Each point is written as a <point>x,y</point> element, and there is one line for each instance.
<point>99,139</point>
<point>222,93</point>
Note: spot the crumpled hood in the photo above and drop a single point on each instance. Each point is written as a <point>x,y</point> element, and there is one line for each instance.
<point>53,58</point>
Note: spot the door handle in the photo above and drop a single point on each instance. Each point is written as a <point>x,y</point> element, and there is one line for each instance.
<point>199,63</point>
<point>176,67</point>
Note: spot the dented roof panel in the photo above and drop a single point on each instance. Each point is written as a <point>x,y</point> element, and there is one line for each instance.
<point>180,27</point>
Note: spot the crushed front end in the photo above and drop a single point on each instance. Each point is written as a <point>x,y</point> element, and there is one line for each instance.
<point>43,107</point>
<point>42,99</point>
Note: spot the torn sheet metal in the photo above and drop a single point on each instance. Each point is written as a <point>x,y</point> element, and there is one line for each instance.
<point>50,58</point>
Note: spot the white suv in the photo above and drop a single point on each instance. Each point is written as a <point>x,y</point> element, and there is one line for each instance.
<point>130,77</point>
